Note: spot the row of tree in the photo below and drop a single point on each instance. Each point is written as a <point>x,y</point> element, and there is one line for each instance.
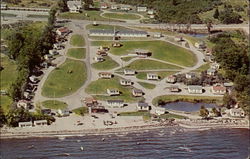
<point>27,46</point>
<point>227,16</point>
<point>233,56</point>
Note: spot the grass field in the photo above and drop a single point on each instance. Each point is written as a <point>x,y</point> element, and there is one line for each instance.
<point>141,113</point>
<point>8,15</point>
<point>128,58</point>
<point>160,50</point>
<point>80,111</point>
<point>105,26</point>
<point>145,64</point>
<point>65,80</point>
<point>5,103</point>
<point>187,98</point>
<point>77,40</point>
<point>171,116</point>
<point>100,86</point>
<point>147,85</point>
<point>124,16</point>
<point>78,53</point>
<point>9,72</point>
<point>105,65</point>
<point>162,75</point>
<point>54,104</point>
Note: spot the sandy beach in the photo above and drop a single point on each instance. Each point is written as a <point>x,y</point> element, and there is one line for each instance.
<point>69,126</point>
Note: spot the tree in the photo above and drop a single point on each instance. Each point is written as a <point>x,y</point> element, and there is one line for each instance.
<point>62,4</point>
<point>204,112</point>
<point>228,101</point>
<point>174,2</point>
<point>208,25</point>
<point>216,13</point>
<point>216,112</point>
<point>15,43</point>
<point>88,3</point>
<point>2,117</point>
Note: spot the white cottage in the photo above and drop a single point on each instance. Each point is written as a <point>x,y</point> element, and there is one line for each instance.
<point>128,72</point>
<point>141,9</point>
<point>40,122</point>
<point>141,106</point>
<point>195,89</point>
<point>152,76</point>
<point>125,82</point>
<point>25,124</point>
<point>115,103</point>
<point>113,92</point>
<point>74,6</point>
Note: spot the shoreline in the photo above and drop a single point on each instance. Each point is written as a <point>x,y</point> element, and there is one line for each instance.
<point>107,131</point>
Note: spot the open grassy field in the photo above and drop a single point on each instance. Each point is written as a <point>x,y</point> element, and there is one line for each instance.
<point>145,64</point>
<point>139,113</point>
<point>187,98</point>
<point>77,40</point>
<point>32,3</point>
<point>65,80</point>
<point>37,16</point>
<point>8,15</point>
<point>80,111</point>
<point>85,15</point>
<point>100,87</point>
<point>125,16</point>
<point>161,74</point>
<point>5,103</point>
<point>78,53</point>
<point>128,58</point>
<point>9,72</point>
<point>147,85</point>
<point>160,50</point>
<point>54,104</point>
<point>105,26</point>
<point>171,116</point>
<point>105,65</point>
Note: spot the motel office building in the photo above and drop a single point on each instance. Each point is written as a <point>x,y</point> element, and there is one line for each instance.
<point>120,33</point>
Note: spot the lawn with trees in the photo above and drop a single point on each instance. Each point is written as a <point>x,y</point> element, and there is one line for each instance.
<point>78,53</point>
<point>57,84</point>
<point>160,50</point>
<point>99,90</point>
<point>54,104</point>
<point>77,40</point>
<point>107,64</point>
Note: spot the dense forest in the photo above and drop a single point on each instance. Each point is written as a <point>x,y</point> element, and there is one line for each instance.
<point>186,11</point>
<point>232,52</point>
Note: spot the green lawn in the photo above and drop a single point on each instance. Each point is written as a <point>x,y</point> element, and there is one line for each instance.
<point>85,15</point>
<point>9,72</point>
<point>54,104</point>
<point>105,26</point>
<point>203,67</point>
<point>162,75</point>
<point>65,80</point>
<point>78,53</point>
<point>160,50</point>
<point>100,86</point>
<point>105,65</point>
<point>171,116</point>
<point>5,103</point>
<point>77,40</point>
<point>145,64</point>
<point>147,85</point>
<point>8,15</point>
<point>80,111</point>
<point>37,16</point>
<point>139,113</point>
<point>128,58</point>
<point>125,16</point>
<point>187,98</point>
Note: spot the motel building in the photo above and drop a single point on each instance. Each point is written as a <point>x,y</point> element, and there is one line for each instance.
<point>125,82</point>
<point>105,75</point>
<point>195,89</point>
<point>151,76</point>
<point>115,103</point>
<point>25,124</point>
<point>40,122</point>
<point>141,9</point>
<point>137,92</point>
<point>142,106</point>
<point>128,72</point>
<point>113,92</point>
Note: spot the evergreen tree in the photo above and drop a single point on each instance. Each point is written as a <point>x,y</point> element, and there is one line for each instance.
<point>62,4</point>
<point>216,14</point>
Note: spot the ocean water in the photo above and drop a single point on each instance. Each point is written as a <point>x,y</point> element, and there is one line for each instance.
<point>168,143</point>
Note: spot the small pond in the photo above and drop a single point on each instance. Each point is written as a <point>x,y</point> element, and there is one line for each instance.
<point>187,106</point>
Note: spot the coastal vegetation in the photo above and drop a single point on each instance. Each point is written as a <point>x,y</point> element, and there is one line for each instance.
<point>162,100</point>
<point>147,85</point>
<point>160,50</point>
<point>99,88</point>
<point>107,64</point>
<point>54,104</point>
<point>232,53</point>
<point>57,84</point>
<point>78,53</point>
<point>124,16</point>
<point>77,40</point>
